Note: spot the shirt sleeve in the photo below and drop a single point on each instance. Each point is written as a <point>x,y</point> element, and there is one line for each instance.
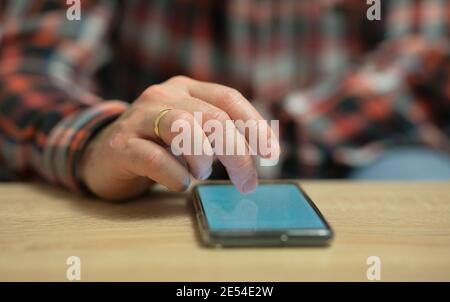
<point>48,106</point>
<point>398,94</point>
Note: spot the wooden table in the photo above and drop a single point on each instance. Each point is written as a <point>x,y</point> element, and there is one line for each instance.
<point>407,225</point>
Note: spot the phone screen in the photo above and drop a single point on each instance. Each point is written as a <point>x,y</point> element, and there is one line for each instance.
<point>269,207</point>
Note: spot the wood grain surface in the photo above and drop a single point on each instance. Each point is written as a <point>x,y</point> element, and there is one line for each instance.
<point>155,237</point>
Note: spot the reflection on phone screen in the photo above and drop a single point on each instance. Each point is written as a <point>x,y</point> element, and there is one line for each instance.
<point>269,207</point>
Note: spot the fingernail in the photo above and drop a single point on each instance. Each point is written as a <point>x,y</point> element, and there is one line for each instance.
<point>187,182</point>
<point>207,174</point>
<point>250,184</point>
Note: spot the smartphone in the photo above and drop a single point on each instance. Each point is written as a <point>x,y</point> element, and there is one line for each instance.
<point>275,214</point>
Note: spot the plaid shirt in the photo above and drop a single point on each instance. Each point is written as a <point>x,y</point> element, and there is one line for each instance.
<point>344,88</point>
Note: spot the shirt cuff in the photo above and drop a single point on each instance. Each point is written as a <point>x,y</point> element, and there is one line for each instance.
<point>68,139</point>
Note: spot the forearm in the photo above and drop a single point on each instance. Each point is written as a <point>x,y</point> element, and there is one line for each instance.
<point>44,129</point>
<point>47,105</point>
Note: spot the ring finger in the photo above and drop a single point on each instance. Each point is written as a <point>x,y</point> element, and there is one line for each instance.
<point>179,130</point>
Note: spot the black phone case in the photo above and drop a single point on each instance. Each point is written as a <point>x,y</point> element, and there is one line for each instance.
<point>249,238</point>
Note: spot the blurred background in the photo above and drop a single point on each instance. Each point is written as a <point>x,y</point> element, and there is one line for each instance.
<point>362,91</point>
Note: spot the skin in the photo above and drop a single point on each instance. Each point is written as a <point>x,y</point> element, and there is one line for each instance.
<point>127,156</point>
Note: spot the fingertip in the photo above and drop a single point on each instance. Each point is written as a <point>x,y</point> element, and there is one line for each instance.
<point>183,185</point>
<point>249,185</point>
<point>187,182</point>
<point>205,175</point>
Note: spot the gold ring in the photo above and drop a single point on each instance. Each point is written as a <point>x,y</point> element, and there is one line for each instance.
<point>158,120</point>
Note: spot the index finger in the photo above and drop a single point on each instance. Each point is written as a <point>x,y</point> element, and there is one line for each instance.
<point>237,107</point>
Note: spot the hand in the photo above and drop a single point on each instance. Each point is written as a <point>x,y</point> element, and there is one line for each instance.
<point>127,156</point>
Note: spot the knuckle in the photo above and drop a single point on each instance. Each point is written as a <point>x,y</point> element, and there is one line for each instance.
<point>153,91</point>
<point>230,97</point>
<point>178,78</point>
